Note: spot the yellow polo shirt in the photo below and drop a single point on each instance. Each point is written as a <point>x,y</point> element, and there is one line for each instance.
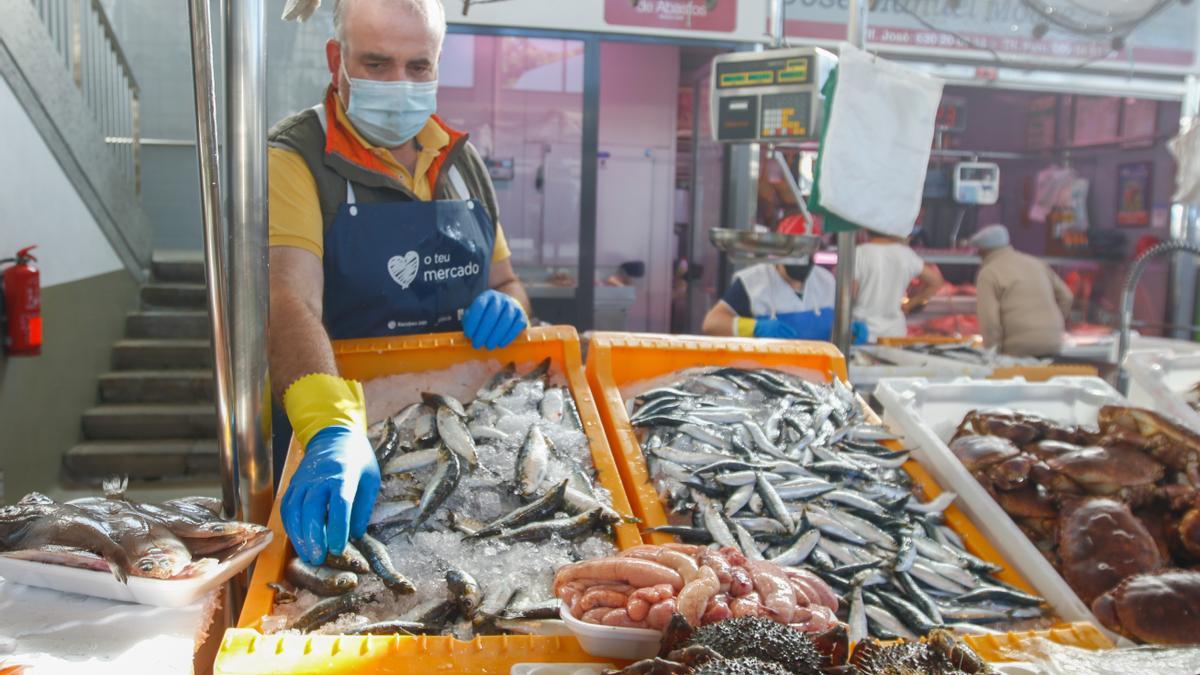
<point>295,210</point>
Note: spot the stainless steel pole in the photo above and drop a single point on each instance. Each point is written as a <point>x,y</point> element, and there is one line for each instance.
<point>215,237</point>
<point>856,34</point>
<point>775,22</point>
<point>246,119</point>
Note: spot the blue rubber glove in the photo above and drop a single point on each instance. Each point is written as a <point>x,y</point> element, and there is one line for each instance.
<point>332,493</point>
<point>858,330</point>
<point>773,328</point>
<point>494,320</point>
<point>810,325</point>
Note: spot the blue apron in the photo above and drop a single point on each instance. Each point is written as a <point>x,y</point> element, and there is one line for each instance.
<point>399,268</point>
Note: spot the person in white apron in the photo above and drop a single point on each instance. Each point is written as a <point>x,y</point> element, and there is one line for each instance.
<point>383,222</point>
<point>777,301</point>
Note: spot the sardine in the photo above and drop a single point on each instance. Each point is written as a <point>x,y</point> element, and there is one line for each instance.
<point>745,541</point>
<point>329,609</point>
<point>465,591</point>
<point>350,560</point>
<point>689,458</point>
<point>283,594</point>
<point>799,550</point>
<point>486,432</point>
<point>936,505</point>
<point>319,580</point>
<point>739,499</point>
<point>538,509</point>
<point>566,528</point>
<point>578,501</point>
<point>857,618</point>
<point>773,502</point>
<point>453,431</point>
<point>553,405</point>
<point>1007,596</point>
<point>440,486</point>
<point>714,522</point>
<point>388,442</point>
<point>533,459</point>
<point>436,401</point>
<point>380,561</point>
<point>394,627</point>
<point>412,461</point>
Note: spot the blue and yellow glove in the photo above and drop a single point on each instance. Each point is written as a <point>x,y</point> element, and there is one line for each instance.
<point>858,330</point>
<point>494,320</point>
<point>332,493</point>
<point>763,327</point>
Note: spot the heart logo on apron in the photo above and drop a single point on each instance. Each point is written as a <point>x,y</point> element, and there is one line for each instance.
<point>404,268</point>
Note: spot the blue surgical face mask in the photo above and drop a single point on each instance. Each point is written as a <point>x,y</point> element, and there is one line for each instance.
<point>390,113</point>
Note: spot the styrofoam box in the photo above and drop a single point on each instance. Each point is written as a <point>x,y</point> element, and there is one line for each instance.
<point>927,413</point>
<point>158,592</point>
<point>943,365</point>
<point>1161,380</point>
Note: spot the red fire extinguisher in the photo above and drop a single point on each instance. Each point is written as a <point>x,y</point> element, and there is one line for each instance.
<point>22,309</point>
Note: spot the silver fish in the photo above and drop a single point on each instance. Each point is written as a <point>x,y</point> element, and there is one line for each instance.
<point>746,542</point>
<point>412,461</point>
<point>566,528</point>
<point>350,560</point>
<point>319,580</point>
<point>542,507</point>
<point>739,478</point>
<point>439,488</point>
<point>486,432</point>
<point>436,401</point>
<point>690,458</point>
<point>329,609</point>
<point>890,623</point>
<point>553,405</point>
<point>936,505</point>
<point>454,434</point>
<point>858,617</point>
<point>714,522</point>
<point>578,501</point>
<point>465,591</point>
<point>704,436</point>
<point>533,459</point>
<point>380,561</point>
<point>798,551</point>
<point>774,503</point>
<point>739,499</point>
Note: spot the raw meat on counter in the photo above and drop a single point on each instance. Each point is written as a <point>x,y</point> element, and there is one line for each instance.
<point>176,539</point>
<point>1111,508</point>
<point>643,587</point>
<point>784,470</point>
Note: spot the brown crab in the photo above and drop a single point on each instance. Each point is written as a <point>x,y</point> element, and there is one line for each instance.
<point>1100,543</point>
<point>1167,441</point>
<point>1161,607</point>
<point>1096,470</point>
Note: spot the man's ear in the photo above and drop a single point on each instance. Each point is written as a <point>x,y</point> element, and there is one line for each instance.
<point>333,57</point>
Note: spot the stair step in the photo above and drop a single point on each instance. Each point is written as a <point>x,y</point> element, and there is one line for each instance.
<point>178,266</point>
<point>91,462</point>
<point>161,354</point>
<point>173,296</point>
<point>157,386</point>
<point>188,324</point>
<point>149,421</point>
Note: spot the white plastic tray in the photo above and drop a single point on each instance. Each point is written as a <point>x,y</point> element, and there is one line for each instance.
<point>906,362</point>
<point>1161,380</point>
<point>612,642</point>
<point>927,413</point>
<point>159,592</point>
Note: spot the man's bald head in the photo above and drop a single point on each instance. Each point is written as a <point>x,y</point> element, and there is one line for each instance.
<point>430,12</point>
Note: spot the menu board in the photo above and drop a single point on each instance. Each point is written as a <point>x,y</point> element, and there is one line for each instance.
<point>1041,123</point>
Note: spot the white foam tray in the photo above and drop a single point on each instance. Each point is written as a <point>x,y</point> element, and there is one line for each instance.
<point>158,592</point>
<point>912,364</point>
<point>927,413</point>
<point>1160,381</point>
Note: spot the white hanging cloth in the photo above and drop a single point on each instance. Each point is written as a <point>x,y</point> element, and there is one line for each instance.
<point>876,147</point>
<point>1186,149</point>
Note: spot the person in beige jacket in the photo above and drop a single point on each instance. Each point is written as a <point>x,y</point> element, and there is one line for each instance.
<point>1023,304</point>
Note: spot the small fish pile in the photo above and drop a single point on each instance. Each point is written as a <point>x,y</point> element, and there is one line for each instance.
<point>644,586</point>
<point>786,470</point>
<point>177,539</point>
<point>991,357</point>
<point>757,646</point>
<point>480,503</point>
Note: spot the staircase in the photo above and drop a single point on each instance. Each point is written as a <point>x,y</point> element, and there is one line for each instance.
<point>155,419</point>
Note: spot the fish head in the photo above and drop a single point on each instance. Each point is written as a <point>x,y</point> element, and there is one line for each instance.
<point>161,564</point>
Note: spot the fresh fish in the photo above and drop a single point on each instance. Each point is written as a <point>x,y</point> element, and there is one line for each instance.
<point>392,510</point>
<point>936,505</point>
<point>350,560</point>
<point>331,608</point>
<point>738,500</point>
<point>412,461</point>
<point>798,552</point>
<point>539,371</point>
<point>486,432</point>
<point>508,372</point>
<point>762,442</point>
<point>704,435</point>
<point>714,522</point>
<point>433,613</point>
<point>578,502</point>
<point>465,591</point>
<point>389,442</point>
<point>538,509</point>
<point>918,597</point>
<point>855,501</point>
<point>454,433</point>
<point>773,502</point>
<point>438,489</point>
<point>380,561</point>
<point>912,617</point>
<point>464,524</point>
<point>546,609</point>
<point>858,617</point>
<point>532,461</point>
<point>394,627</point>
<point>566,528</point>
<point>319,580</point>
<point>739,478</point>
<point>934,580</point>
<point>763,526</point>
<point>436,401</point>
<point>746,542</point>
<point>829,525</point>
<point>495,601</point>
<point>803,488</point>
<point>879,615</point>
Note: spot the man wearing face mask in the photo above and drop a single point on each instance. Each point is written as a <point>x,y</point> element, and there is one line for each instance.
<point>383,221</point>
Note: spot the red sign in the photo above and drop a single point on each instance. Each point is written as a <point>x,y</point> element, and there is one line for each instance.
<point>698,15</point>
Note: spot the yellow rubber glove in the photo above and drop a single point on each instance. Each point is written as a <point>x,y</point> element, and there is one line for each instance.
<point>319,400</point>
<point>743,327</point>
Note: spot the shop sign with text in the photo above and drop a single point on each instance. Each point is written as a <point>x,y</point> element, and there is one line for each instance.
<point>697,15</point>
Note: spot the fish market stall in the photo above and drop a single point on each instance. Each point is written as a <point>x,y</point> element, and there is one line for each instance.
<point>465,539</point>
<point>757,439</point>
<point>1095,501</point>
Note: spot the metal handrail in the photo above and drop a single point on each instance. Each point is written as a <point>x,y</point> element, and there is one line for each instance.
<point>84,36</point>
<point>1131,282</point>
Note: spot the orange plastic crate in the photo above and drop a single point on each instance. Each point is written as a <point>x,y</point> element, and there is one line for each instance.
<point>246,650</point>
<point>618,359</point>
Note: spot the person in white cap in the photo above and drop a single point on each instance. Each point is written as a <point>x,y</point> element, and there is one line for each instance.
<point>1023,304</point>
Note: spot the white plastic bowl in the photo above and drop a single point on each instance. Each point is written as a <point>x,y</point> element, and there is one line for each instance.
<point>612,642</point>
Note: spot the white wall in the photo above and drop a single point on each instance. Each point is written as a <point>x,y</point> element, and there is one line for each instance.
<point>38,205</point>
